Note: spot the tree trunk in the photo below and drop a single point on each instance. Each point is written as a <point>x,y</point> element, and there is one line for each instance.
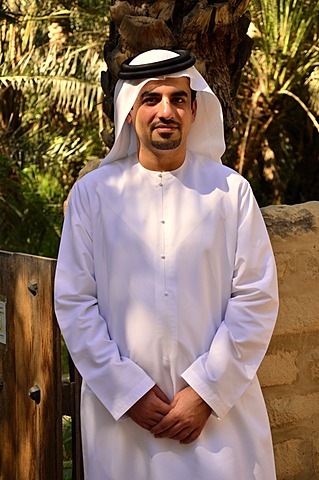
<point>215,32</point>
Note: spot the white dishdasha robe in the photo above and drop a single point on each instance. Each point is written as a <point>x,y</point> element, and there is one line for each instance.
<point>169,279</point>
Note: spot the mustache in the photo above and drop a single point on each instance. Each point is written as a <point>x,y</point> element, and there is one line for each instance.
<point>165,122</point>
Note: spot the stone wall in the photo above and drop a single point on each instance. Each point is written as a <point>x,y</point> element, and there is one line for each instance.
<point>289,373</point>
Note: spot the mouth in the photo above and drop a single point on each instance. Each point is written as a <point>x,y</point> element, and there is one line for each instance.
<point>166,128</point>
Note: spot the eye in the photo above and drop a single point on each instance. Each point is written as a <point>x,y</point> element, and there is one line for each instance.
<point>150,101</point>
<point>178,99</point>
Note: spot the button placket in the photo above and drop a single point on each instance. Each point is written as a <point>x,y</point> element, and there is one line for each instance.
<point>163,259</point>
<point>162,221</point>
<point>160,175</point>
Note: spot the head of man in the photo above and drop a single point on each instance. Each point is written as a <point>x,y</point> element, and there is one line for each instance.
<point>162,116</point>
<point>164,120</point>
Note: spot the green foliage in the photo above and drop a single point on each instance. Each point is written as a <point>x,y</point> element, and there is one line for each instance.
<point>284,54</point>
<point>50,113</point>
<point>313,87</point>
<point>276,142</point>
<point>27,217</point>
<point>67,447</point>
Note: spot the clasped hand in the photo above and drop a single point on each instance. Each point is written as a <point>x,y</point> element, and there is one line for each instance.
<point>183,419</point>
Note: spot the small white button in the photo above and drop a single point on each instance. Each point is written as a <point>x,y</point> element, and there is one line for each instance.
<point>162,221</point>
<point>160,184</point>
<point>162,257</point>
<point>160,175</point>
<point>166,294</point>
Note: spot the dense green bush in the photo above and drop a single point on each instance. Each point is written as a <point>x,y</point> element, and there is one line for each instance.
<point>51,116</point>
<point>276,141</point>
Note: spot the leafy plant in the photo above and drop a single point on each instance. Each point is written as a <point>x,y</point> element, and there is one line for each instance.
<point>50,114</point>
<point>67,447</point>
<point>276,139</point>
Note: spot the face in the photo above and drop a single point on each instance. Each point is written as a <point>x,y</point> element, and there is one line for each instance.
<point>162,115</point>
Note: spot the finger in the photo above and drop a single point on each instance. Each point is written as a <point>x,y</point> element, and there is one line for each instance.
<point>167,427</point>
<point>190,438</point>
<point>144,422</point>
<point>176,433</point>
<point>156,418</point>
<point>162,408</point>
<point>168,421</point>
<point>162,426</point>
<point>180,435</point>
<point>161,395</point>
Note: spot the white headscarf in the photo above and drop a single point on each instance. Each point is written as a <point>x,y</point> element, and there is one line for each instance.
<point>206,136</point>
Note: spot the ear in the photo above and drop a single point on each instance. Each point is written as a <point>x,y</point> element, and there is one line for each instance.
<point>129,118</point>
<point>194,110</point>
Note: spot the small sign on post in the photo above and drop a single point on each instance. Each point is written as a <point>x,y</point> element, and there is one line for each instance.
<point>3,320</point>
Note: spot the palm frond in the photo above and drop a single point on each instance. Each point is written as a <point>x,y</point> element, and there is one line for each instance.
<point>285,42</point>
<point>68,77</point>
<point>313,86</point>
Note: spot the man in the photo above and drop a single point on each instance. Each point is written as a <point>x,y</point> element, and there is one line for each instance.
<point>166,290</point>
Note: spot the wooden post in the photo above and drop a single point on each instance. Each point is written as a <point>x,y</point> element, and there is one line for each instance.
<point>30,370</point>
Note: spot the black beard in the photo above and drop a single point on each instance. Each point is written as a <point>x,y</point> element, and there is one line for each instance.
<point>166,144</point>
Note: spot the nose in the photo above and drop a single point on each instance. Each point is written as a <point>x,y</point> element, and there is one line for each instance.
<point>166,109</point>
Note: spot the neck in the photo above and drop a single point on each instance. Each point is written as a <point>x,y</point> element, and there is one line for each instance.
<point>162,161</point>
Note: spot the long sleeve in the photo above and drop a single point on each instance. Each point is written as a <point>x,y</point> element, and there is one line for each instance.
<point>168,278</point>
<point>116,380</point>
<point>221,375</point>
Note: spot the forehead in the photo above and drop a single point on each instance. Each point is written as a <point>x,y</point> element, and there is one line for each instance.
<point>167,84</point>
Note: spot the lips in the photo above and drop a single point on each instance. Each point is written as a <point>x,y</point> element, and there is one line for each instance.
<point>166,127</point>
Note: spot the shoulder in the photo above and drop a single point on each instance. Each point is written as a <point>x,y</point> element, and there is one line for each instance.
<point>223,171</point>
<point>97,185</point>
<point>216,173</point>
<point>106,174</point>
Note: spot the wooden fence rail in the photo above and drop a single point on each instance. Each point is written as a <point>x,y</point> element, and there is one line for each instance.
<point>32,396</point>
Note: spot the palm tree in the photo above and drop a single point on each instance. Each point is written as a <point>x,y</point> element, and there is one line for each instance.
<point>214,31</point>
<point>50,61</point>
<point>44,54</point>
<point>277,136</point>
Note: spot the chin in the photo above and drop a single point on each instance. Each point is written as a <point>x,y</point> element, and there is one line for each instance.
<point>166,145</point>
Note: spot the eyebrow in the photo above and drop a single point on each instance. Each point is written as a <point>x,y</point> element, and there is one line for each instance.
<point>179,93</point>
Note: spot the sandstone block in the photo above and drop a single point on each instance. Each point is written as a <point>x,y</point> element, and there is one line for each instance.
<point>298,312</point>
<point>292,409</point>
<point>294,232</point>
<point>287,456</point>
<point>286,221</point>
<point>278,369</point>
